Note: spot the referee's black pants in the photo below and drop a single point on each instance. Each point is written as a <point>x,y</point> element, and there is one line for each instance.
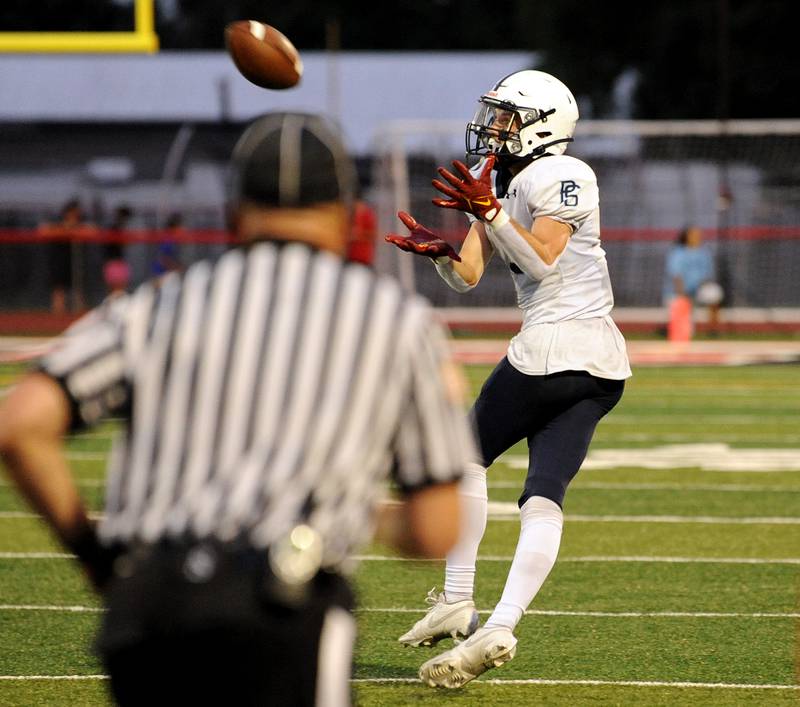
<point>184,629</point>
<point>557,414</point>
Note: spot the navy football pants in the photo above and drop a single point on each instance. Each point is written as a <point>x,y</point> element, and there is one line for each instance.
<point>556,413</point>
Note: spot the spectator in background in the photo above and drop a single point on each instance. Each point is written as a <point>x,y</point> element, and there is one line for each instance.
<point>60,256</point>
<point>166,259</point>
<point>361,248</point>
<point>690,273</point>
<point>116,271</point>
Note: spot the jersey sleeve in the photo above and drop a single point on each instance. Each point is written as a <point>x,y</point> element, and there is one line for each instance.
<point>434,441</point>
<point>566,191</point>
<point>88,362</point>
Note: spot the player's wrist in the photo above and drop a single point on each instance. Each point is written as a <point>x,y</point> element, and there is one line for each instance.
<point>442,260</point>
<point>499,217</point>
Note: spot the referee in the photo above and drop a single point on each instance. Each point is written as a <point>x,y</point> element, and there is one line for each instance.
<point>266,398</point>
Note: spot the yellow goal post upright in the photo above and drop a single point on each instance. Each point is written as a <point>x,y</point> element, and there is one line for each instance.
<point>143,39</point>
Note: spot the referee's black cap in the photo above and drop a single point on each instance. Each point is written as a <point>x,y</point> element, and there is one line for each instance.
<point>291,160</point>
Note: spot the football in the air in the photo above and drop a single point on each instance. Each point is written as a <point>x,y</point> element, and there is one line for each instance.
<point>263,55</point>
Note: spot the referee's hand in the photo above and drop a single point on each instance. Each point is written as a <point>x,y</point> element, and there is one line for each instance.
<point>421,240</point>
<point>97,559</point>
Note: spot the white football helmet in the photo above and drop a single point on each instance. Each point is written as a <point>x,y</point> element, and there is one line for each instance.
<point>526,114</point>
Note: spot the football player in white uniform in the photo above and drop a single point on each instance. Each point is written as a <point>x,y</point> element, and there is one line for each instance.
<point>538,210</point>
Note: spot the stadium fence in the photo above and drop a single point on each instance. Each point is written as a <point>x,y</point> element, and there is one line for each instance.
<point>739,181</point>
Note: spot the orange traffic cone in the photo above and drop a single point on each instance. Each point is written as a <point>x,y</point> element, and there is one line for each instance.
<point>679,327</point>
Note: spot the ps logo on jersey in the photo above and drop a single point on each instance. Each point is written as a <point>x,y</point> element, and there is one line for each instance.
<point>568,196</point>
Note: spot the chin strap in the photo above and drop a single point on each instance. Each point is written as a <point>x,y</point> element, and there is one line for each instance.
<point>541,151</point>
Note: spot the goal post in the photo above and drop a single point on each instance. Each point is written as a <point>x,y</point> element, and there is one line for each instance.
<point>143,38</point>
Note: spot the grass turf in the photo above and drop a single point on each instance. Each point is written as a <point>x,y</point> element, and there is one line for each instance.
<point>563,640</point>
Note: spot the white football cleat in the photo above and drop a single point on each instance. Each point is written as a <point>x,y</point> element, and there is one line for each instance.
<point>484,649</point>
<point>457,619</point>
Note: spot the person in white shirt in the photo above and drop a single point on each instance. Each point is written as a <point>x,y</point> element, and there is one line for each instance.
<point>538,209</point>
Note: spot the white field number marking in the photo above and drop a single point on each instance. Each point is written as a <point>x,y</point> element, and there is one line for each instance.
<point>708,457</point>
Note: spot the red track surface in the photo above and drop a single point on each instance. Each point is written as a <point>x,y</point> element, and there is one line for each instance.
<point>490,351</point>
<point>659,353</point>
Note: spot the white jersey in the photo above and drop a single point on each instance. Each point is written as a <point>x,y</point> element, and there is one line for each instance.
<point>566,315</point>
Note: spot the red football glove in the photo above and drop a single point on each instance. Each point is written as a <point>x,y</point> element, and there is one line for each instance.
<point>468,194</point>
<point>422,240</point>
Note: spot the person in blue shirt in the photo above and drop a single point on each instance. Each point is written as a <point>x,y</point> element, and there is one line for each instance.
<point>690,272</point>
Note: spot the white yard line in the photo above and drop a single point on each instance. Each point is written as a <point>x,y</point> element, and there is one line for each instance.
<point>513,515</point>
<point>719,520</point>
<point>698,437</point>
<point>700,419</point>
<point>509,512</point>
<point>530,612</point>
<point>600,485</point>
<point>609,614</point>
<point>36,556</point>
<point>620,683</point>
<point>41,607</point>
<point>500,558</point>
<point>12,515</point>
<point>708,456</point>
<point>87,456</point>
<point>655,486</point>
<point>598,683</point>
<point>624,486</point>
<point>14,678</point>
<point>609,558</point>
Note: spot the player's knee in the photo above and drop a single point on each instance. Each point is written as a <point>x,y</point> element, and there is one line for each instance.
<point>549,488</point>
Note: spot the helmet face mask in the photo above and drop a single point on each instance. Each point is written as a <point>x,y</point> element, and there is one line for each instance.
<point>526,115</point>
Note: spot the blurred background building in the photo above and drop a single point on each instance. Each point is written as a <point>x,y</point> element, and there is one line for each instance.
<point>688,117</point>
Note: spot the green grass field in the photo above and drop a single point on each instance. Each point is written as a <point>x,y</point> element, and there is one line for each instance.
<point>678,581</point>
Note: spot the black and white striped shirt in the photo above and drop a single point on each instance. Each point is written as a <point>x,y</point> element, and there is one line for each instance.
<point>279,385</point>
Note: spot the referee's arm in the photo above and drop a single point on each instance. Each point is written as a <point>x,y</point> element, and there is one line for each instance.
<point>68,392</point>
<point>33,420</point>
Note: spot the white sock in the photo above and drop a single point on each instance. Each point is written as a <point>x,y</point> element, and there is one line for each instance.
<point>459,577</point>
<point>537,549</point>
